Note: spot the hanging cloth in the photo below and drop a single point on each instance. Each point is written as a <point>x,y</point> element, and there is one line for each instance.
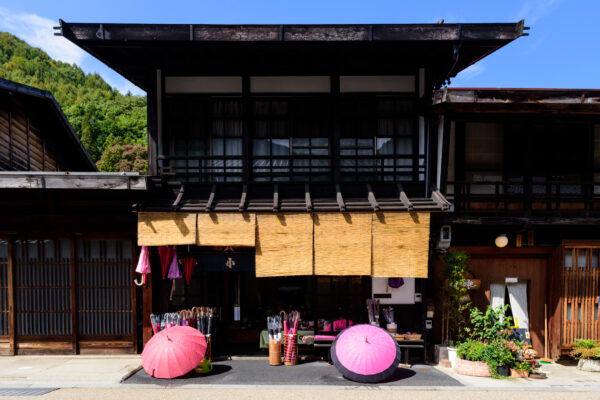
<point>174,272</point>
<point>143,266</point>
<point>165,253</point>
<point>497,295</point>
<point>188,267</point>
<point>517,293</point>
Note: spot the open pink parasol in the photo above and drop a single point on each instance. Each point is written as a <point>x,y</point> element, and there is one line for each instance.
<point>173,352</point>
<point>365,353</point>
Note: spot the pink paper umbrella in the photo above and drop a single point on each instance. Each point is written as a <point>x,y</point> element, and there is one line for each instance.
<point>173,352</point>
<point>143,266</point>
<point>365,353</point>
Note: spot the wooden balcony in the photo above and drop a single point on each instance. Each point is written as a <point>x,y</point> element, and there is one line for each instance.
<point>525,198</point>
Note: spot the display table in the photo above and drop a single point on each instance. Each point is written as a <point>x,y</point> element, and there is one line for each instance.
<point>264,338</point>
<point>406,345</point>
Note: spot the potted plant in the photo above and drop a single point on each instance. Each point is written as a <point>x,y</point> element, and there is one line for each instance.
<point>588,353</point>
<point>520,369</point>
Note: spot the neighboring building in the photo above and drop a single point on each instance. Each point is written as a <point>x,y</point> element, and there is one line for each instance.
<point>66,238</point>
<point>305,148</point>
<point>35,135</point>
<point>526,163</point>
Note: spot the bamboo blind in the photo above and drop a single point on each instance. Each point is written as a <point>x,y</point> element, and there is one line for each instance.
<point>166,228</point>
<point>227,229</point>
<point>342,243</point>
<point>400,244</point>
<point>284,245</point>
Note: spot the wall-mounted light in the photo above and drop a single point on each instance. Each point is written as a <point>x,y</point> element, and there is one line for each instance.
<point>501,240</point>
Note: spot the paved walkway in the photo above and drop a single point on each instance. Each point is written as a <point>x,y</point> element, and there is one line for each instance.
<point>66,371</point>
<point>243,374</point>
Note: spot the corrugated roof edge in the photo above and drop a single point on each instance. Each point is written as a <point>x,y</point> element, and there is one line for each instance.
<point>45,95</point>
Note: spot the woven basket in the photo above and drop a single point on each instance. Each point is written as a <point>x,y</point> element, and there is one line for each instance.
<point>290,349</point>
<point>415,336</point>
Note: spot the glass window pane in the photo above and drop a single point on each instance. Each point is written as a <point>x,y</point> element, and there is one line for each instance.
<point>365,142</point>
<point>568,258</point>
<point>385,146</point>
<point>319,152</point>
<point>281,147</point>
<point>320,142</point>
<point>261,147</point>
<point>233,147</point>
<point>301,152</point>
<point>217,148</point>
<point>595,258</point>
<point>300,142</point>
<point>347,142</point>
<point>582,258</point>
<point>404,145</point>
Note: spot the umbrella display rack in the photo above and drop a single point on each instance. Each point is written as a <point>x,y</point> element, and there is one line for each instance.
<point>290,349</point>
<point>274,352</point>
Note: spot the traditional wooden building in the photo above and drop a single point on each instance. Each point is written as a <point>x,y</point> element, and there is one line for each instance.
<point>523,174</point>
<point>67,236</point>
<point>301,156</point>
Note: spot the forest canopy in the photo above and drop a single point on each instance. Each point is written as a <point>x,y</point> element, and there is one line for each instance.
<point>105,120</point>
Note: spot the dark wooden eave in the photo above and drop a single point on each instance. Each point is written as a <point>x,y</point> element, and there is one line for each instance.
<point>517,101</point>
<point>137,50</point>
<point>285,197</point>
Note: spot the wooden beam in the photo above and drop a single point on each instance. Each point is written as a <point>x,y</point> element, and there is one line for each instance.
<point>339,198</point>
<point>242,204</point>
<point>307,199</point>
<point>211,198</point>
<point>404,198</point>
<point>147,309</point>
<point>179,196</point>
<point>372,198</point>
<point>54,180</point>
<point>12,313</point>
<point>275,197</point>
<point>134,292</point>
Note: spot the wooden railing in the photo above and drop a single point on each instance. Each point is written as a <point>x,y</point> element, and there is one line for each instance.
<point>525,197</point>
<point>313,168</point>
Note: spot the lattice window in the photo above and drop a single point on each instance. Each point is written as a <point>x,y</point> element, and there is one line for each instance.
<point>104,294</point>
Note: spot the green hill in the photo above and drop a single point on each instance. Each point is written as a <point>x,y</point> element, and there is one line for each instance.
<point>104,119</point>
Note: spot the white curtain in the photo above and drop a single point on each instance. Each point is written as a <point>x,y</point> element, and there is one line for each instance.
<point>497,295</point>
<point>517,293</point>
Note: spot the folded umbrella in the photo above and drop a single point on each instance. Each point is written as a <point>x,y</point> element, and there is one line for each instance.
<point>188,267</point>
<point>174,272</point>
<point>365,353</point>
<point>165,253</point>
<point>173,352</point>
<point>143,266</point>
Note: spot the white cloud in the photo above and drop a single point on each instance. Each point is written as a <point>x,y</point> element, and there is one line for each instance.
<point>470,72</point>
<point>533,10</point>
<point>38,32</point>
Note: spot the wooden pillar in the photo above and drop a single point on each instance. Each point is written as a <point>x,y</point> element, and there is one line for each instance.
<point>147,309</point>
<point>73,296</point>
<point>12,321</point>
<point>134,295</point>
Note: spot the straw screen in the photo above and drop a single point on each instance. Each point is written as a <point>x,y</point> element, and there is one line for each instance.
<point>166,228</point>
<point>342,244</point>
<point>400,244</point>
<point>226,229</point>
<point>284,245</point>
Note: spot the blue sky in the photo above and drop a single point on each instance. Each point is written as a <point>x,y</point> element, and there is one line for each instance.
<point>562,51</point>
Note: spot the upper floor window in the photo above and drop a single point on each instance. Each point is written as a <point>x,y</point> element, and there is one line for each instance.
<point>206,139</point>
<point>377,140</point>
<point>290,140</point>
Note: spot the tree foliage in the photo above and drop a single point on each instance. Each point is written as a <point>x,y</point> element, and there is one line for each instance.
<point>101,116</point>
<point>126,158</point>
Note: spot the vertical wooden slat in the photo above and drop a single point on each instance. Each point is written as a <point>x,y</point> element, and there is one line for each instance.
<point>11,299</point>
<point>74,286</point>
